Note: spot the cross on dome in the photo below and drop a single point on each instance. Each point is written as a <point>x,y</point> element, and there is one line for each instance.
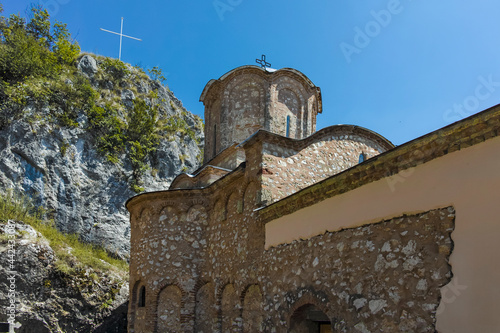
<point>262,62</point>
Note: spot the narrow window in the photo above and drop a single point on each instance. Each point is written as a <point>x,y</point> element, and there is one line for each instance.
<point>215,140</point>
<point>362,157</point>
<point>142,297</point>
<point>287,126</point>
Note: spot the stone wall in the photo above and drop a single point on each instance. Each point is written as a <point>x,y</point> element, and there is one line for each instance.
<point>379,277</point>
<point>290,98</point>
<point>207,270</point>
<point>284,174</point>
<point>167,254</point>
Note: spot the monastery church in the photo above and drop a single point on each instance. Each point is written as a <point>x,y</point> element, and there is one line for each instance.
<point>289,229</point>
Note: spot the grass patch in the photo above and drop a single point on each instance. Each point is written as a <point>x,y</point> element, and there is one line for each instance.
<point>72,254</point>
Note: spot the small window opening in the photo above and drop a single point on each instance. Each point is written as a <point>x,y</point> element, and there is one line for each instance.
<point>142,297</point>
<point>287,126</point>
<point>215,140</point>
<point>362,157</point>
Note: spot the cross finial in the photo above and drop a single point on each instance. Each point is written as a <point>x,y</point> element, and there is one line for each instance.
<point>262,62</point>
<point>121,35</point>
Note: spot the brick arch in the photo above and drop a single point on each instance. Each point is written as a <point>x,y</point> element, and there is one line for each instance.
<point>236,80</point>
<point>170,298</point>
<point>307,296</point>
<point>237,83</point>
<point>319,300</point>
<point>251,311</point>
<point>282,95</point>
<point>134,216</point>
<point>145,217</point>
<point>206,314</point>
<point>219,211</point>
<point>141,212</point>
<point>233,203</point>
<point>290,107</point>
<point>229,309</point>
<point>196,212</point>
<point>246,290</point>
<point>133,305</point>
<point>134,291</point>
<point>297,90</point>
<point>212,129</point>
<point>168,214</point>
<point>299,125</point>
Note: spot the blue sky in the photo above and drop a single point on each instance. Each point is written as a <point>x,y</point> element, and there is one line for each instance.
<point>402,68</point>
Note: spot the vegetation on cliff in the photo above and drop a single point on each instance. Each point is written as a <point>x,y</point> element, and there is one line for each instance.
<point>40,81</point>
<point>62,284</point>
<point>72,255</point>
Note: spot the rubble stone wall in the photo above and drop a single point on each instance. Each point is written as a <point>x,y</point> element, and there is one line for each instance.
<point>284,173</point>
<point>207,270</point>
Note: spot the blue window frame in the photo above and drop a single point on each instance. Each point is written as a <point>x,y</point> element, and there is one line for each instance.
<point>287,126</point>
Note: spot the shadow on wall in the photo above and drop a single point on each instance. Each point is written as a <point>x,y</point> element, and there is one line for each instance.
<point>116,322</point>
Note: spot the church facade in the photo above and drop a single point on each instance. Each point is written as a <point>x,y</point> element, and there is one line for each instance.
<point>282,229</point>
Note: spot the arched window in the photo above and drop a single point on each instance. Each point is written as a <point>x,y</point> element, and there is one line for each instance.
<point>142,297</point>
<point>362,157</point>
<point>287,126</point>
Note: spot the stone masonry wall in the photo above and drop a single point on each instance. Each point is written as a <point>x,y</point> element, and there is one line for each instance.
<point>167,249</point>
<point>382,277</point>
<point>291,98</point>
<point>284,174</point>
<point>206,270</point>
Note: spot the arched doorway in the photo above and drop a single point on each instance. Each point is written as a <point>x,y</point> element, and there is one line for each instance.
<point>309,319</point>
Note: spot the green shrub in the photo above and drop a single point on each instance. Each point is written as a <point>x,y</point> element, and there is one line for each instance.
<point>109,129</point>
<point>136,188</point>
<point>33,58</point>
<point>63,147</point>
<point>156,74</point>
<point>116,68</point>
<point>138,135</point>
<point>22,56</point>
<point>142,135</point>
<point>66,52</point>
<point>33,49</point>
<point>176,125</point>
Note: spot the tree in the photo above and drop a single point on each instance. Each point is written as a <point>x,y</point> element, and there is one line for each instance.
<point>39,26</point>
<point>34,49</point>
<point>156,74</point>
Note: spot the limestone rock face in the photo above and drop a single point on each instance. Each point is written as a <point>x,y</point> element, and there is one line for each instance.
<point>50,301</point>
<point>88,65</point>
<point>62,169</point>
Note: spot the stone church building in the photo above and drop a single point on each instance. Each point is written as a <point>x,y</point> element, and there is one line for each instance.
<point>289,229</point>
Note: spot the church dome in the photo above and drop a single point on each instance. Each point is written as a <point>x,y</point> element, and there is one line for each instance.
<point>249,98</point>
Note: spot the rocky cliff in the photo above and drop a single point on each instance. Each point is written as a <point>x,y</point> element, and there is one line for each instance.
<point>81,169</point>
<point>48,298</point>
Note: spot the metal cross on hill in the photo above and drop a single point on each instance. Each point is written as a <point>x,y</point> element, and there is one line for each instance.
<point>121,35</point>
<point>262,62</point>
